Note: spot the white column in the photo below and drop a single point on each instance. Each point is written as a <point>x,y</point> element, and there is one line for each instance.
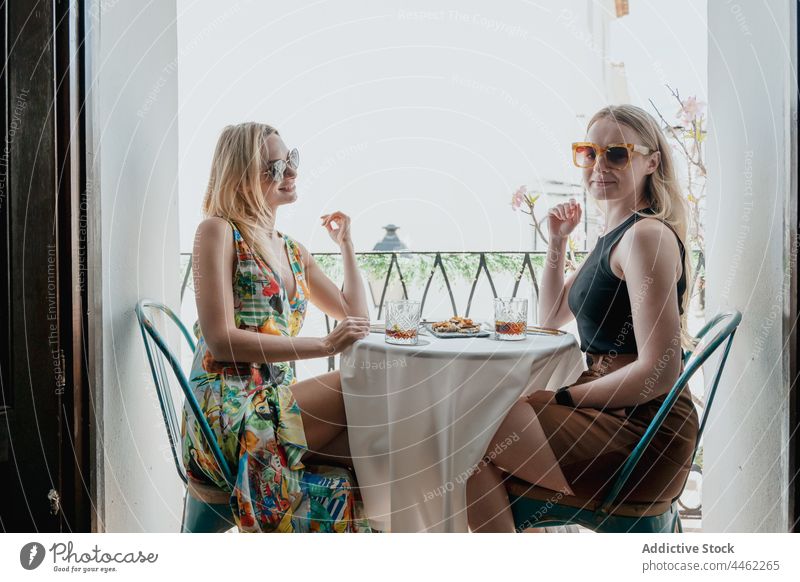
<point>133,149</point>
<point>752,101</point>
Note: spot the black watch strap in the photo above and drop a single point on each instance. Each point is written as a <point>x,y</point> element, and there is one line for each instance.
<point>564,398</point>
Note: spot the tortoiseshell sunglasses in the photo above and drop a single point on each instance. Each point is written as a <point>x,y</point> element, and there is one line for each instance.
<point>618,155</point>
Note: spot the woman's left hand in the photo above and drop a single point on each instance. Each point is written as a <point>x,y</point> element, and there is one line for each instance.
<point>338,226</point>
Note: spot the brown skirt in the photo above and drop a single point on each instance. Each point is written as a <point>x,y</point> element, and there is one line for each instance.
<point>591,445</point>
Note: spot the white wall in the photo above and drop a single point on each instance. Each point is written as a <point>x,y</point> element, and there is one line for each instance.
<point>133,145</point>
<point>751,104</point>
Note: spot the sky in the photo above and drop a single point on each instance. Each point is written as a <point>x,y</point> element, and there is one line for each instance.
<point>425,118</point>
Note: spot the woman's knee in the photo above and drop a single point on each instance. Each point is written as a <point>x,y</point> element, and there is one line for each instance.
<point>330,380</point>
<point>329,384</point>
<point>539,399</point>
<point>509,431</point>
<point>320,400</point>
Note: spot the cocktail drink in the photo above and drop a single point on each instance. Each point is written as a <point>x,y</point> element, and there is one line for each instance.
<point>402,322</point>
<point>510,318</point>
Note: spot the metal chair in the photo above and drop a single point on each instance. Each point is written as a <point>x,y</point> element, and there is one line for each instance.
<point>538,507</point>
<point>199,513</point>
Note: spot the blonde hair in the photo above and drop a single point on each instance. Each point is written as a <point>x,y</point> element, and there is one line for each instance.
<point>662,189</point>
<point>234,186</point>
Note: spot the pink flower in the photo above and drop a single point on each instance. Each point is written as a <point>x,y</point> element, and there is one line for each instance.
<point>519,197</point>
<point>691,110</point>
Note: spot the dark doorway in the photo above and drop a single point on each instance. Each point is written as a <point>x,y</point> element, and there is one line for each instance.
<point>792,344</point>
<point>44,406</point>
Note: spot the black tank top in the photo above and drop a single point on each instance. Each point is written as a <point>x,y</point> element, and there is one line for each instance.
<point>599,299</point>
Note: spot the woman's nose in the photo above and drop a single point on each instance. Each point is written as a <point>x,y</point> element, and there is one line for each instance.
<point>600,163</point>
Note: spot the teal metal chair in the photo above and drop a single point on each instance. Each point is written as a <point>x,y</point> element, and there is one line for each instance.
<point>204,510</point>
<point>538,507</point>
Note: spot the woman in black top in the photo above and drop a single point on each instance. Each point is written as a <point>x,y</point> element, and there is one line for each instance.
<point>630,299</point>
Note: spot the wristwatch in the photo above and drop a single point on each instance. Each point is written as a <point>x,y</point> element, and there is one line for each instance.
<point>564,398</point>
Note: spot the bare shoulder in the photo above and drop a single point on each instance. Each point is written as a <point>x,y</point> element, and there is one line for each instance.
<point>214,226</point>
<point>213,234</point>
<point>650,241</point>
<point>653,236</point>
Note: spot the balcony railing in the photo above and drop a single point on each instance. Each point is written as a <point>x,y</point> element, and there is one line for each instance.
<point>519,264</point>
<point>385,269</point>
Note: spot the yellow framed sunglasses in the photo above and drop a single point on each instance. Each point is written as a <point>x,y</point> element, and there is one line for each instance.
<point>618,155</point>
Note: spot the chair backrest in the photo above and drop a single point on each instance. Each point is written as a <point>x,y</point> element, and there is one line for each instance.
<point>725,325</point>
<point>158,351</point>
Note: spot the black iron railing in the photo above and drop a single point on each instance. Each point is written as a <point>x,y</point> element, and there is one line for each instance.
<point>394,267</point>
<point>526,267</point>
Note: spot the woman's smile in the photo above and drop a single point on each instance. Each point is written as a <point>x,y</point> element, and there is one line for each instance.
<point>603,181</point>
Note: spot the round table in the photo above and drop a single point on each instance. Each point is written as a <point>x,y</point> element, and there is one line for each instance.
<point>420,417</point>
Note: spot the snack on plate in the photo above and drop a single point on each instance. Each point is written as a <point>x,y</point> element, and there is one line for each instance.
<point>456,325</point>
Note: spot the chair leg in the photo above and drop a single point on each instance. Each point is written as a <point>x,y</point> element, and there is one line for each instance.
<point>183,515</point>
<point>202,517</point>
<point>678,524</point>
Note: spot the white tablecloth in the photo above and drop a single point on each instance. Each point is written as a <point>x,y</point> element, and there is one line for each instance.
<point>420,417</point>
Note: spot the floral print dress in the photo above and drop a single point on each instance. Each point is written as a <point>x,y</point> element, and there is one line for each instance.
<point>257,421</point>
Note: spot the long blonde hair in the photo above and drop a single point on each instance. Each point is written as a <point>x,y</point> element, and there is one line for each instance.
<point>234,186</point>
<point>662,189</point>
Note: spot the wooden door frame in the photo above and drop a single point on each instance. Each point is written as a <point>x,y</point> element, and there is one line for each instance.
<point>792,356</point>
<point>43,370</point>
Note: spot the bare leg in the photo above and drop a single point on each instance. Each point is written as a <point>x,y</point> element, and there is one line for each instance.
<point>528,456</point>
<point>487,501</point>
<point>337,452</point>
<point>322,409</point>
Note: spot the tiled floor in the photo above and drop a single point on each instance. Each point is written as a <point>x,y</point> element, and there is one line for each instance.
<point>694,525</point>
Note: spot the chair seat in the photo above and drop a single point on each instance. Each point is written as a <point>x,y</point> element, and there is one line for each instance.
<point>519,488</point>
<point>206,509</point>
<point>207,493</point>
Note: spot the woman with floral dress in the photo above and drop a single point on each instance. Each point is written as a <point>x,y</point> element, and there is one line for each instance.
<point>252,286</point>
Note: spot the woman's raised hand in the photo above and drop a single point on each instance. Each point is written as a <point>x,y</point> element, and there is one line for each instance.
<point>563,218</point>
<point>347,332</point>
<point>338,226</point>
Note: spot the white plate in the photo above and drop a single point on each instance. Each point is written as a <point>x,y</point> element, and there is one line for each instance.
<point>455,334</point>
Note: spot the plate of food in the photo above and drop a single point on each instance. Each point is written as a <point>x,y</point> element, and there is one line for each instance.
<point>456,327</point>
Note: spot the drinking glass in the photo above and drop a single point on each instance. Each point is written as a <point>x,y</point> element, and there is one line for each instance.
<point>402,322</point>
<point>510,318</point>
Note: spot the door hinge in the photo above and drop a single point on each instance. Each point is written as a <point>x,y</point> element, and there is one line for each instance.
<point>55,501</point>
